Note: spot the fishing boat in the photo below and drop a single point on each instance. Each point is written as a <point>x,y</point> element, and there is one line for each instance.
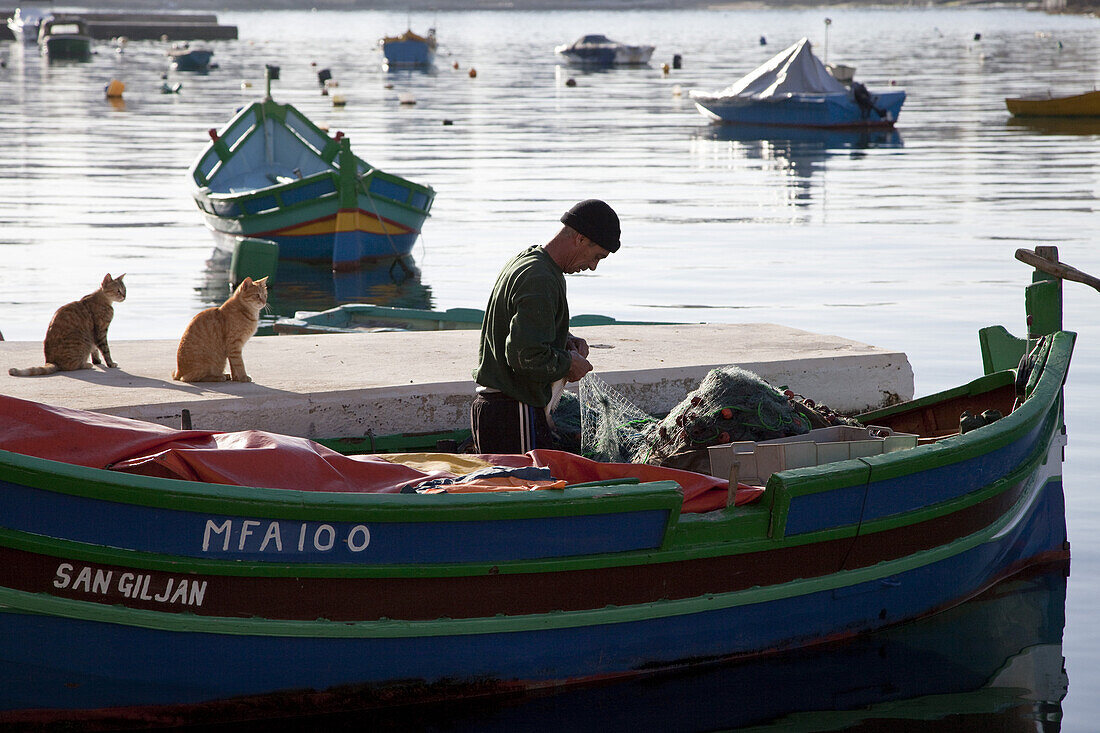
<point>24,23</point>
<point>1074,105</point>
<point>65,37</point>
<point>186,58</point>
<point>270,173</point>
<point>358,317</point>
<point>159,575</point>
<point>408,50</point>
<point>599,50</point>
<point>795,88</point>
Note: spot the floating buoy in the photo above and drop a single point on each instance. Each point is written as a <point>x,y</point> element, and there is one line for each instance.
<point>338,100</point>
<point>664,68</point>
<point>323,76</point>
<point>977,36</point>
<point>763,41</point>
<point>455,66</point>
<point>387,86</point>
<point>570,82</point>
<point>677,90</point>
<point>114,89</point>
<point>246,85</point>
<point>677,61</point>
<point>473,72</point>
<point>406,98</point>
<point>448,122</point>
<point>171,88</point>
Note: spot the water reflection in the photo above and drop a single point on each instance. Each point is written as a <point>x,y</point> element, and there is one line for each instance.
<point>304,286</point>
<point>1056,125</point>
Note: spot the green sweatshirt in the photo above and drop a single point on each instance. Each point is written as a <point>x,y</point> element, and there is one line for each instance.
<point>525,328</point>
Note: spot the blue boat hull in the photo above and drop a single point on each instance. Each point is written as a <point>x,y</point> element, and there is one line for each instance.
<point>202,666</point>
<point>407,53</point>
<point>804,110</point>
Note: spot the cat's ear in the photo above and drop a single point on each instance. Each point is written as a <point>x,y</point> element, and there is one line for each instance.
<point>246,281</point>
<point>107,279</point>
<point>262,280</point>
<point>121,276</point>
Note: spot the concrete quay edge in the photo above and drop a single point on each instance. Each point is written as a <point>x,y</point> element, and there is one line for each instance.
<point>343,385</point>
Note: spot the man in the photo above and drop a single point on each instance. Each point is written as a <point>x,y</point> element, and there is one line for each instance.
<point>525,342</point>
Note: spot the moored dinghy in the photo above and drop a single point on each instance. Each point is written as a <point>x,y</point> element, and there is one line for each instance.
<point>599,50</point>
<point>1086,104</point>
<point>795,88</point>
<point>408,50</point>
<point>272,174</point>
<point>113,535</point>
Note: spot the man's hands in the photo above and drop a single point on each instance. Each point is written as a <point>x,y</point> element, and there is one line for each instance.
<point>578,353</point>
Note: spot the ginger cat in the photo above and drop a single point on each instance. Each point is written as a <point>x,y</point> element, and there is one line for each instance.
<point>79,330</point>
<point>219,334</point>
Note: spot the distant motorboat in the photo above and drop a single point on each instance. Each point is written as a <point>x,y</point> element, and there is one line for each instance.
<point>598,50</point>
<point>1074,105</point>
<point>408,50</point>
<point>795,88</point>
<point>185,58</point>
<point>24,23</point>
<point>65,37</point>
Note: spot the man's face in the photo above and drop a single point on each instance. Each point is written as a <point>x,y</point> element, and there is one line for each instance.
<point>586,255</point>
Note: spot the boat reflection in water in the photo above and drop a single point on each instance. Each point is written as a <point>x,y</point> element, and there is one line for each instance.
<point>303,286</point>
<point>994,663</point>
<point>1056,125</point>
<point>799,153</point>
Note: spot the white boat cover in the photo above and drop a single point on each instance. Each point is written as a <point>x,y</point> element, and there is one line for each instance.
<point>794,70</point>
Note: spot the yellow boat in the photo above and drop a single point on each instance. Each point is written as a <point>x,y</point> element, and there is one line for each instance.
<point>1077,105</point>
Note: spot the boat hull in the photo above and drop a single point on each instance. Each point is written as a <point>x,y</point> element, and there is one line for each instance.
<point>68,48</point>
<point>1078,105</point>
<point>407,54</point>
<point>194,60</point>
<point>803,110</point>
<point>607,55</point>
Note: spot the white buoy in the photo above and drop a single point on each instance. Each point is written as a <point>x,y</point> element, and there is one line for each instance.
<point>406,98</point>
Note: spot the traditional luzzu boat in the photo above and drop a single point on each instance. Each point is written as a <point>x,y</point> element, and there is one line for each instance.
<point>272,174</point>
<point>1086,104</point>
<point>795,88</point>
<point>408,50</point>
<point>150,574</point>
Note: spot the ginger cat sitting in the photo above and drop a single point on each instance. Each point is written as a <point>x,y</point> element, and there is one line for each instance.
<point>79,330</point>
<point>219,334</point>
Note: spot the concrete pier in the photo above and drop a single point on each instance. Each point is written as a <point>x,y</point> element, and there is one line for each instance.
<point>139,26</point>
<point>344,385</point>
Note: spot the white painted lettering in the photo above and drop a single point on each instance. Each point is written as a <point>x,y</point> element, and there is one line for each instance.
<point>360,545</point>
<point>246,531</point>
<point>317,542</point>
<point>302,538</point>
<point>272,534</point>
<point>167,591</point>
<point>198,592</point>
<point>126,584</point>
<point>83,579</point>
<point>226,527</point>
<point>102,582</point>
<point>180,596</point>
<point>61,575</point>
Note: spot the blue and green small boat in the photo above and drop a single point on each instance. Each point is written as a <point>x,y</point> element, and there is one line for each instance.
<point>272,174</point>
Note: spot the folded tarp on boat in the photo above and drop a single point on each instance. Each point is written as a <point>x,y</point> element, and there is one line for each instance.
<point>270,460</point>
<point>795,70</point>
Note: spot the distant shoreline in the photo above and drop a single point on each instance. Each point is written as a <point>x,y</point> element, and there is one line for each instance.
<point>1078,7</point>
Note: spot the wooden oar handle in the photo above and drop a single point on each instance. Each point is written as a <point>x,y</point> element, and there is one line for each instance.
<point>1058,269</point>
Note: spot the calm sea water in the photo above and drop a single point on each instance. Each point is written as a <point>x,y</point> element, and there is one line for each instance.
<point>902,240</point>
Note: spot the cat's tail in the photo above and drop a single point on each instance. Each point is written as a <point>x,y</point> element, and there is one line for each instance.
<point>33,371</point>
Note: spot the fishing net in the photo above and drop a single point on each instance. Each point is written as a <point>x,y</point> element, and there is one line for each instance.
<point>730,404</point>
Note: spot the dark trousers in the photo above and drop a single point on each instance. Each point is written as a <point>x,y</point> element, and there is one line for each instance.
<point>501,424</point>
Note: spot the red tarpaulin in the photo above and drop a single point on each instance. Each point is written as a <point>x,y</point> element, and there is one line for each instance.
<point>270,460</point>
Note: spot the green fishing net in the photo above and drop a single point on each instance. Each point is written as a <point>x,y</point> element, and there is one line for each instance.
<point>730,404</point>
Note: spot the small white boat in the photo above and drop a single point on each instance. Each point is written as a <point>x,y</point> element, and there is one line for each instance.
<point>597,50</point>
<point>65,37</point>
